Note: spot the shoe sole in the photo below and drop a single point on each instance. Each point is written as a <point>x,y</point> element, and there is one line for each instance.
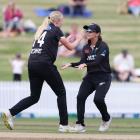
<point>73,131</point>
<point>63,131</point>
<point>5,120</point>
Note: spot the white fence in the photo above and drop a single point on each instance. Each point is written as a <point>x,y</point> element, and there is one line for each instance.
<point>123,99</point>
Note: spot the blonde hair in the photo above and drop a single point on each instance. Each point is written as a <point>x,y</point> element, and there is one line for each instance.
<point>54,16</point>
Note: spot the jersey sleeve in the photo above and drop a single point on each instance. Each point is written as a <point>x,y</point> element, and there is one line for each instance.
<point>59,33</point>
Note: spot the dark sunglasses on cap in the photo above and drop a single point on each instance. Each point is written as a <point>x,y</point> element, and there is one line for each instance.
<point>90,31</point>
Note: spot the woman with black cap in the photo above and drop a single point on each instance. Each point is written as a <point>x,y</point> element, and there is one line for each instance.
<point>95,57</point>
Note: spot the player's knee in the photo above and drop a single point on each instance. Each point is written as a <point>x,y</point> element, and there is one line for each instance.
<point>61,92</point>
<point>34,99</point>
<point>98,100</point>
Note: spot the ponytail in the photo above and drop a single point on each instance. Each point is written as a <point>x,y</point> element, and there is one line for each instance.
<point>41,28</point>
<point>100,38</point>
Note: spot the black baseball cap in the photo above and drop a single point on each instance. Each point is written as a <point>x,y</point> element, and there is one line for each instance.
<point>92,28</point>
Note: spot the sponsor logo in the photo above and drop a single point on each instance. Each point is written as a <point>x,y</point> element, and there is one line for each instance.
<point>36,51</point>
<point>91,57</point>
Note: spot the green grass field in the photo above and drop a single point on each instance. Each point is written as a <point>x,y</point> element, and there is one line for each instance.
<point>50,125</point>
<point>120,31</point>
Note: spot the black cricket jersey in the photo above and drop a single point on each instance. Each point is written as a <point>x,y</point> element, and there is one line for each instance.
<point>96,59</point>
<point>45,48</point>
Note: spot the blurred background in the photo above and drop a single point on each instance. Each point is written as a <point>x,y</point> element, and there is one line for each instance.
<point>119,29</point>
<point>120,23</point>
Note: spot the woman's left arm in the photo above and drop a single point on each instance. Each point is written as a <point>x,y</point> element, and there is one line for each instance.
<point>76,64</point>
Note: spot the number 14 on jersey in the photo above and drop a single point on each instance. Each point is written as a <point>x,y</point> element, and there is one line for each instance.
<point>40,41</point>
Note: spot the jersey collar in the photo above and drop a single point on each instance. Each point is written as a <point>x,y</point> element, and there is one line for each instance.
<point>97,44</point>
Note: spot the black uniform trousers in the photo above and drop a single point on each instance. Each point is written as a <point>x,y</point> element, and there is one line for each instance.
<point>87,87</point>
<point>38,73</point>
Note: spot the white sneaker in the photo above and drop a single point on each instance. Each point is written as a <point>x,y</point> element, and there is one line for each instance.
<point>105,125</point>
<point>78,128</point>
<point>63,128</point>
<point>8,120</point>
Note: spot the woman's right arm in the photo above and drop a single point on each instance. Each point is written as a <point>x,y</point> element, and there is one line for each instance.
<point>68,45</point>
